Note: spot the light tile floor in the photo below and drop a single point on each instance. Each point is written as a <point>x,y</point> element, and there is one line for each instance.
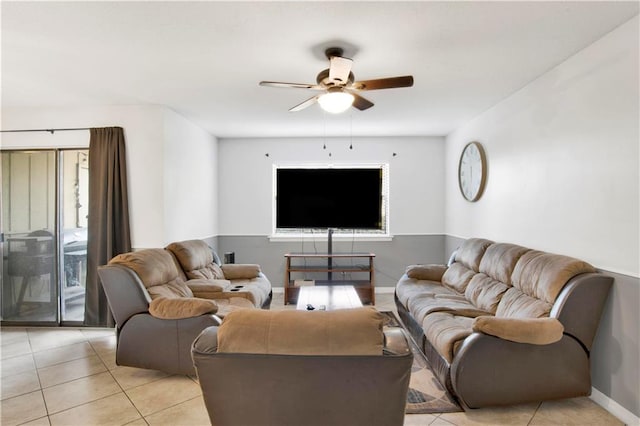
<point>66,376</point>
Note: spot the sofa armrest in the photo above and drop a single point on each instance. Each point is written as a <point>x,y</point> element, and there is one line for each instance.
<point>206,288</point>
<point>183,307</point>
<point>207,342</point>
<point>125,293</point>
<point>426,272</point>
<point>490,371</point>
<point>535,331</point>
<point>235,271</point>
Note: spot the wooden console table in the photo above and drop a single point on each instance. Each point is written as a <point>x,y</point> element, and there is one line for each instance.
<point>354,269</point>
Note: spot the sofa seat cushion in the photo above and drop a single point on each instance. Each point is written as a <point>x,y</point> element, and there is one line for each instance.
<point>339,332</point>
<point>232,304</point>
<point>255,289</point>
<point>446,332</point>
<point>420,306</point>
<point>407,288</point>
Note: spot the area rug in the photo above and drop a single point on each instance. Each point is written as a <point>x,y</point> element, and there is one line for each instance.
<point>426,394</point>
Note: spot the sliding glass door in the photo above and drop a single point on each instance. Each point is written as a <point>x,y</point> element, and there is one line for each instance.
<point>43,244</point>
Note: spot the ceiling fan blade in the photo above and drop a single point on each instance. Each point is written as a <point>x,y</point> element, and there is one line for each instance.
<point>384,83</point>
<point>305,104</point>
<point>361,103</point>
<point>290,85</point>
<point>339,69</point>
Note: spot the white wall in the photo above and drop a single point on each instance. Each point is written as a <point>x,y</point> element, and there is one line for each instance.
<point>166,154</point>
<point>563,160</point>
<point>564,177</point>
<point>415,178</point>
<point>190,180</point>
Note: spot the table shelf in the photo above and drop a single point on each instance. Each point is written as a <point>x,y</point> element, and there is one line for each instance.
<point>296,264</point>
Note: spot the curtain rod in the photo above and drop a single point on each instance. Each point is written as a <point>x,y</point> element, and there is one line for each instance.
<point>45,130</point>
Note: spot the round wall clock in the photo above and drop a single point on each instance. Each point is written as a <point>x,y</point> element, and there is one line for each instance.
<point>472,171</point>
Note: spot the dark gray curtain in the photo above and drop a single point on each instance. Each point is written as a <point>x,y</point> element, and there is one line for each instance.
<point>108,223</point>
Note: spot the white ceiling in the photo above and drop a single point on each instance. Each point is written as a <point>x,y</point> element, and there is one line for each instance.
<point>204,59</point>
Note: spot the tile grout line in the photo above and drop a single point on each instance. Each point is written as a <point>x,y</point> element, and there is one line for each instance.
<point>119,385</point>
<point>534,413</point>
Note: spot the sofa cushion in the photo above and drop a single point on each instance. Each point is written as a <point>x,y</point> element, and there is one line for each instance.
<point>499,261</point>
<point>209,272</point>
<point>422,305</point>
<point>256,289</point>
<point>232,304</point>
<point>192,254</point>
<point>515,304</point>
<point>457,277</point>
<point>196,259</point>
<point>471,251</point>
<point>157,271</point>
<point>339,332</point>
<point>183,307</point>
<point>426,272</point>
<point>536,331</point>
<point>446,332</point>
<point>485,292</point>
<point>543,275</point>
<point>407,288</point>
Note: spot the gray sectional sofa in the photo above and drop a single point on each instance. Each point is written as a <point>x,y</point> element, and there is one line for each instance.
<point>503,324</point>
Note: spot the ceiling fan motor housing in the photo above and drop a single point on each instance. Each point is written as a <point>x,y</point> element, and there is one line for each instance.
<point>334,51</point>
<point>323,79</point>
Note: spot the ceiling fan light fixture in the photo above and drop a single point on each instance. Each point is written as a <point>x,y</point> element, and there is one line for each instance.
<point>336,102</point>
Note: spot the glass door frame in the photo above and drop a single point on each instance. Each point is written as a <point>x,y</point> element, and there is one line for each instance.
<point>58,268</point>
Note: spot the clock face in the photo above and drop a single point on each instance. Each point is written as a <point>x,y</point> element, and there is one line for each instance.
<point>472,171</point>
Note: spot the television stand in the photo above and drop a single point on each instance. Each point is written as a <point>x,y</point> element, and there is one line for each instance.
<point>360,275</point>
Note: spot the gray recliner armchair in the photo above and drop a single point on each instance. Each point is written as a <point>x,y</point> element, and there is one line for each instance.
<point>157,315</point>
<point>304,368</point>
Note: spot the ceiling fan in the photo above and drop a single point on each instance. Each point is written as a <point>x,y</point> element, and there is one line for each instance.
<point>340,91</point>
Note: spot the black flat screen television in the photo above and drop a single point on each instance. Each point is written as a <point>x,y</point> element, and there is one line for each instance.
<point>344,198</point>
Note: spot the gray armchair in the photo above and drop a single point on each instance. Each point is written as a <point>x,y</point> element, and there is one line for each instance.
<point>303,368</point>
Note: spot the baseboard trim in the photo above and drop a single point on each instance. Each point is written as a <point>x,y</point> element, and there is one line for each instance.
<point>614,408</point>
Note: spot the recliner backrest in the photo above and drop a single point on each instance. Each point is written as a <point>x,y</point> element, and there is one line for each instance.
<point>196,259</point>
<point>157,271</point>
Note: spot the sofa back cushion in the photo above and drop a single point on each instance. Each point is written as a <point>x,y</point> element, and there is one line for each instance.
<point>500,260</point>
<point>487,287</point>
<point>537,280</point>
<point>157,271</point>
<point>484,292</point>
<point>466,265</point>
<point>196,259</point>
<point>339,332</point>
